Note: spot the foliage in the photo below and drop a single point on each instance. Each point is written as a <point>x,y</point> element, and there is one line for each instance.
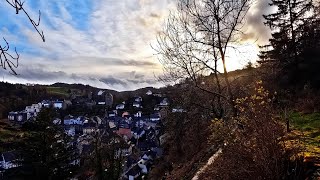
<point>47,149</point>
<point>254,147</point>
<point>294,44</point>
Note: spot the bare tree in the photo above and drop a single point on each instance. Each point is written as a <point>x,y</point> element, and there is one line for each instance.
<point>196,38</point>
<point>7,58</point>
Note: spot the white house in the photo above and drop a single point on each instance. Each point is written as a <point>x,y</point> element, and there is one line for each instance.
<point>10,160</point>
<point>164,102</point>
<point>138,99</point>
<point>138,114</point>
<point>149,93</point>
<point>58,104</point>
<point>154,117</point>
<point>136,104</point>
<point>56,121</point>
<point>120,106</point>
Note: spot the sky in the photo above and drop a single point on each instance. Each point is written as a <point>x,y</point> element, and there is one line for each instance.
<point>103,43</point>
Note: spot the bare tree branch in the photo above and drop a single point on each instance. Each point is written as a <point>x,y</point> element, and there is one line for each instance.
<point>8,60</point>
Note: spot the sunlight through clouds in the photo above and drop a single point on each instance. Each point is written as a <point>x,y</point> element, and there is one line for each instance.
<point>95,40</point>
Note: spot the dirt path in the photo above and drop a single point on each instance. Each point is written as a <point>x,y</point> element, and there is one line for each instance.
<point>210,161</point>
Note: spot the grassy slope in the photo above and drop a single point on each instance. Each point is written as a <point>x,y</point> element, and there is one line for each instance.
<point>8,135</point>
<point>58,91</point>
<point>309,127</point>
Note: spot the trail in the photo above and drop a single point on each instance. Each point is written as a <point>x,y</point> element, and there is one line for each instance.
<point>210,161</point>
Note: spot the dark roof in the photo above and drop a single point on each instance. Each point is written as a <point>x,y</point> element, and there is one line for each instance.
<point>10,156</point>
<point>154,116</point>
<point>89,125</point>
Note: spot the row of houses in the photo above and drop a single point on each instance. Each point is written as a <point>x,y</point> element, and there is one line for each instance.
<point>32,111</point>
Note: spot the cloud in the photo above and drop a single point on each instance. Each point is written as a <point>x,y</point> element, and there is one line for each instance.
<point>102,43</point>
<point>112,81</point>
<point>255,29</point>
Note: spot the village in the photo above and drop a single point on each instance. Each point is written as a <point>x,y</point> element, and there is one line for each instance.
<point>138,131</point>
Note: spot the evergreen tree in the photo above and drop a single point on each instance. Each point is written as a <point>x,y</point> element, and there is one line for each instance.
<point>47,149</point>
<point>286,26</point>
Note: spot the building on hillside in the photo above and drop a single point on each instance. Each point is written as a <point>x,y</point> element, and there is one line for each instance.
<point>149,93</point>
<point>164,102</point>
<point>138,99</point>
<point>137,104</point>
<point>120,106</point>
<point>20,117</point>
<point>104,98</point>
<point>10,159</point>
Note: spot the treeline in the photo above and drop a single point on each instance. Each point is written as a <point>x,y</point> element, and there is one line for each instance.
<point>294,49</point>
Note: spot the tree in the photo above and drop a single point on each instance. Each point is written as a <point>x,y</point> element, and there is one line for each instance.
<point>196,38</point>
<point>105,159</point>
<point>7,59</point>
<point>286,25</point>
<point>47,149</point>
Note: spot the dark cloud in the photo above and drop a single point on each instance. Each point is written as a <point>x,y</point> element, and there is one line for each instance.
<point>40,74</point>
<point>116,61</point>
<point>255,22</point>
<point>112,81</point>
<point>136,75</point>
<point>154,15</point>
<point>141,81</point>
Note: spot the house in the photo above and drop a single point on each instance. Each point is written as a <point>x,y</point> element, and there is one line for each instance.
<point>164,102</point>
<point>89,128</point>
<point>111,114</point>
<point>178,110</point>
<point>156,108</point>
<point>138,114</point>
<point>68,120</point>
<point>56,121</point>
<point>154,117</point>
<point>125,114</point>
<point>12,116</point>
<point>58,104</point>
<point>10,159</point>
<point>104,98</point>
<point>19,117</point>
<point>112,126</point>
<point>137,104</point>
<point>138,99</point>
<point>120,106</point>
<point>109,99</point>
<point>45,103</point>
<point>34,108</point>
<point>70,130</point>
<point>149,93</point>
<point>157,95</point>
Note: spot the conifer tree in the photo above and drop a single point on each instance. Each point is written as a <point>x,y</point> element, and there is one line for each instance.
<point>283,51</point>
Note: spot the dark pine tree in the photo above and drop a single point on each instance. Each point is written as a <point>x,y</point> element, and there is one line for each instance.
<point>48,151</point>
<point>283,51</point>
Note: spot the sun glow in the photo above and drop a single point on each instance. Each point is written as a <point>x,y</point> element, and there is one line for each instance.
<point>238,56</point>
